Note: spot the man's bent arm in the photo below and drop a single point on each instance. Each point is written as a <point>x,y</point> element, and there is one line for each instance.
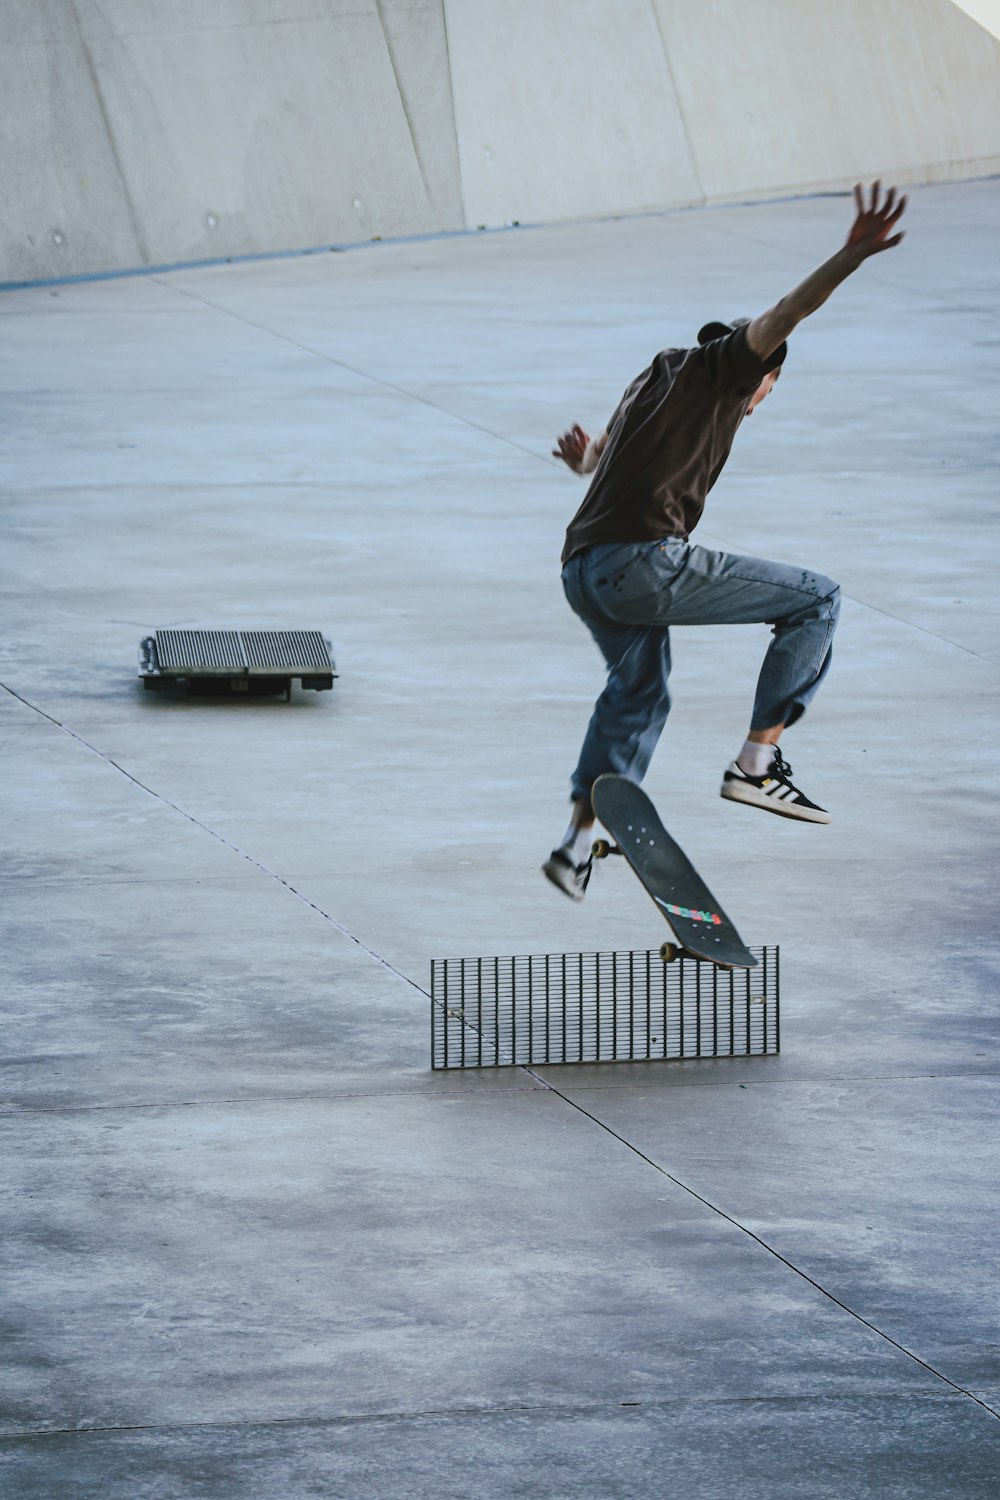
<point>869,235</point>
<point>578,451</point>
<point>595,448</point>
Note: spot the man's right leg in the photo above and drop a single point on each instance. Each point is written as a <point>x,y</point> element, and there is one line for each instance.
<point>624,728</point>
<point>629,716</point>
<point>616,592</point>
<point>623,732</point>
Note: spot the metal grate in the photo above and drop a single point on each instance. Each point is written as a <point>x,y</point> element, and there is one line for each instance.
<point>600,1007</point>
<point>226,651</point>
<point>245,659</point>
<point>291,651</point>
<point>201,651</point>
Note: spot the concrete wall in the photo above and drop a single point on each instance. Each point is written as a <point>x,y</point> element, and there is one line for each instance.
<point>144,132</point>
<point>138,132</point>
<point>986,12</point>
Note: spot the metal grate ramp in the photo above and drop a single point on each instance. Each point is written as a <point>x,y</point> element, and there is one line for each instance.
<point>600,1007</point>
<point>243,660</point>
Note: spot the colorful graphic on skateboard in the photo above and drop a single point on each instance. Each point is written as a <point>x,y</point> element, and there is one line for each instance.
<point>700,925</point>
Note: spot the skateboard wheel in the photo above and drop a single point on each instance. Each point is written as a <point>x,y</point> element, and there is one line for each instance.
<point>600,848</point>
<point>668,952</point>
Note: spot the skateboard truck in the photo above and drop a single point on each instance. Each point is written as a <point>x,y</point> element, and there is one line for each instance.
<point>701,929</point>
<point>669,952</point>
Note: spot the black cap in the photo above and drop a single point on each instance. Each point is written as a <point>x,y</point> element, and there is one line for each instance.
<point>720,330</point>
<point>717,330</point>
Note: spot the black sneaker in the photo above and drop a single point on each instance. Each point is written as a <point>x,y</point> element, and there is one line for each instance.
<point>571,878</point>
<point>773,790</point>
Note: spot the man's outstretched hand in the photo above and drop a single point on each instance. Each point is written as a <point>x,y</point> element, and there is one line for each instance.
<point>871,231</point>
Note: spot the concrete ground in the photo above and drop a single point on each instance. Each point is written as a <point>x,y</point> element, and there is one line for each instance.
<point>252,1246</point>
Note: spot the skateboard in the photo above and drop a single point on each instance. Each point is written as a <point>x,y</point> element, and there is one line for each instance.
<point>700,926</point>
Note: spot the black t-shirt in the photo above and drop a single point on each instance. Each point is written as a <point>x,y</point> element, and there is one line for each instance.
<point>667,442</point>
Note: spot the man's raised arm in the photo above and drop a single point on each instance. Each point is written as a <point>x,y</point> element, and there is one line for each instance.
<point>870,234</point>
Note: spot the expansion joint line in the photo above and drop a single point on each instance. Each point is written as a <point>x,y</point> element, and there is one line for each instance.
<point>498,437</point>
<point>878,609</point>
<point>342,364</point>
<point>221,838</point>
<point>960,1390</point>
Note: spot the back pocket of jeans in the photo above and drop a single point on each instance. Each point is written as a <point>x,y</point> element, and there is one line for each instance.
<point>646,573</point>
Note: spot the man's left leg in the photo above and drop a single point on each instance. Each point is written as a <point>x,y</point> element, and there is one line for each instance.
<point>760,776</point>
<point>802,607</point>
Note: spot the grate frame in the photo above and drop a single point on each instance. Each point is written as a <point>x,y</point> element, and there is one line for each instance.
<point>241,659</point>
<point>615,1006</point>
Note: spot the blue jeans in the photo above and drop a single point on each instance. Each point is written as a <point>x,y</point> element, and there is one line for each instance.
<point>629,594</point>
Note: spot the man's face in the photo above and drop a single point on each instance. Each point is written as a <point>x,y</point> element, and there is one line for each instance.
<point>764,389</point>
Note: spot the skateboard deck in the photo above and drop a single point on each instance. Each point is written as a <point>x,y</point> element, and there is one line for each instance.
<point>701,926</point>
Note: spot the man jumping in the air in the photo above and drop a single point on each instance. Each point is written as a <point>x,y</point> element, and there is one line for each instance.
<point>630,572</point>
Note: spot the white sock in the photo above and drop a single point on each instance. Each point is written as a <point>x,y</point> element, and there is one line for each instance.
<point>754,758</point>
<point>577,842</point>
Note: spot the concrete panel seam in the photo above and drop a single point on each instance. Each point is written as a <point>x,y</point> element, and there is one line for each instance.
<point>786,195</point>
<point>887,614</point>
<point>454,117</point>
<point>220,1101</point>
<point>213,833</point>
<point>696,169</point>
<point>341,364</point>
<point>520,447</point>
<point>665,1405</point>
<point>403,102</point>
<point>109,132</point>
<point>770,1249</point>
